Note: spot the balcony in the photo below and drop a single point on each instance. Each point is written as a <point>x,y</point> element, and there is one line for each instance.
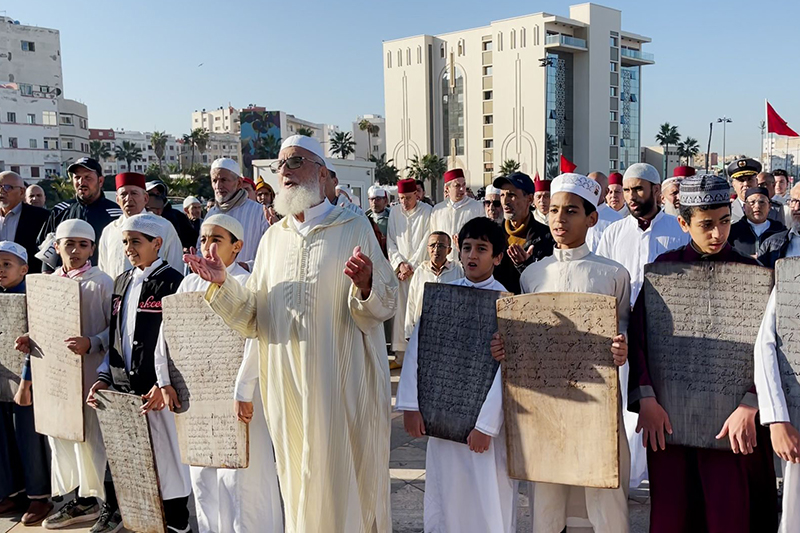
<point>631,57</point>
<point>566,43</point>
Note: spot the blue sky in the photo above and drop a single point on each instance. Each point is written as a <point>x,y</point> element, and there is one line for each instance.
<point>136,64</point>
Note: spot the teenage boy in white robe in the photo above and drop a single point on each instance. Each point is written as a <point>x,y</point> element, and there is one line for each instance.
<point>231,499</point>
<point>467,488</point>
<point>574,268</point>
<point>79,465</point>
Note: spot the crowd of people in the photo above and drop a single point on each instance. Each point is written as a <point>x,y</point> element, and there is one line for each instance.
<point>330,299</point>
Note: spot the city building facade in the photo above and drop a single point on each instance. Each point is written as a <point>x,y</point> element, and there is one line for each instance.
<point>115,138</point>
<point>370,144</point>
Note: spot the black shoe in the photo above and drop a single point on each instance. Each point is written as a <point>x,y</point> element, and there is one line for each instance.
<point>109,521</point>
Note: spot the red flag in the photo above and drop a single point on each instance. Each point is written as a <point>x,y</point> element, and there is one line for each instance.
<point>536,177</point>
<point>775,124</point>
<point>568,166</point>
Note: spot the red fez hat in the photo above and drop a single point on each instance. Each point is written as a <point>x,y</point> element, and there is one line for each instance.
<point>407,185</point>
<point>130,178</point>
<point>541,185</point>
<point>683,171</point>
<point>450,175</point>
<point>251,182</point>
<point>615,178</point>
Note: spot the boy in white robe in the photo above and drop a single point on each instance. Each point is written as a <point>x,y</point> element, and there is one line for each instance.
<point>231,499</point>
<point>467,488</point>
<point>574,268</point>
<point>78,465</point>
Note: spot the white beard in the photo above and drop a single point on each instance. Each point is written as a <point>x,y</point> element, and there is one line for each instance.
<point>294,201</point>
<point>671,209</point>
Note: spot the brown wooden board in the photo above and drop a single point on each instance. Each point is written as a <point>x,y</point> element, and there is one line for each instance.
<point>455,368</point>
<point>204,356</point>
<point>787,325</point>
<point>54,315</point>
<point>702,323</point>
<point>13,323</point>
<point>560,388</point>
<point>129,447</point>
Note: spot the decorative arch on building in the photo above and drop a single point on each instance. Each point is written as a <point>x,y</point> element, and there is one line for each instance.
<point>444,89</point>
<point>519,144</point>
<point>406,148</point>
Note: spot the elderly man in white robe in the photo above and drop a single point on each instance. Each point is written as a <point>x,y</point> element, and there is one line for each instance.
<point>231,199</point>
<point>458,209</point>
<point>132,199</point>
<point>405,241</point>
<point>238,500</point>
<point>318,314</point>
<point>633,242</point>
<point>605,215</point>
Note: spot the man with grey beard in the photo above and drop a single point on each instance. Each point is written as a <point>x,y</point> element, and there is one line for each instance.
<point>316,301</point>
<point>779,245</point>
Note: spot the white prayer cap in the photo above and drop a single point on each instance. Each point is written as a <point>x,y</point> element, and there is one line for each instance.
<point>145,223</point>
<point>190,201</point>
<point>302,141</point>
<point>491,189</point>
<point>75,228</point>
<point>586,188</point>
<point>226,222</point>
<point>228,164</point>
<point>15,249</point>
<point>642,171</point>
<point>671,181</point>
<point>329,165</point>
<point>376,191</point>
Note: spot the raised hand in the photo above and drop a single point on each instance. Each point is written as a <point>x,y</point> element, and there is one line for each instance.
<point>170,397</point>
<point>518,254</point>
<point>359,269</point>
<point>212,270</point>
<point>23,344</point>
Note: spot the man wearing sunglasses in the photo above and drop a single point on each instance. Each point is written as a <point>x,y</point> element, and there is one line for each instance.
<point>20,222</point>
<point>316,301</point>
<point>492,205</point>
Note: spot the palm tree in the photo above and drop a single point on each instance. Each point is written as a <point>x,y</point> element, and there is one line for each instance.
<point>308,132</point>
<point>509,166</point>
<point>187,142</point>
<point>99,151</point>
<point>667,134</point>
<point>342,144</point>
<point>173,168</point>
<point>268,147</point>
<point>688,148</point>
<point>371,129</point>
<point>428,168</point>
<point>129,152</point>
<point>158,140</point>
<point>201,137</point>
<point>385,172</point>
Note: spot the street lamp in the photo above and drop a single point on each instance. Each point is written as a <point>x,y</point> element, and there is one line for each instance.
<point>725,121</point>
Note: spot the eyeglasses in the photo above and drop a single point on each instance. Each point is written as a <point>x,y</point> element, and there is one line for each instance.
<point>8,188</point>
<point>794,201</point>
<point>438,246</point>
<point>493,203</point>
<point>292,163</point>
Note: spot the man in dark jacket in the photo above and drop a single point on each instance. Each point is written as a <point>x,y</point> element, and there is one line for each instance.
<point>20,222</point>
<point>183,227</point>
<point>777,246</point>
<point>748,233</point>
<point>528,240</point>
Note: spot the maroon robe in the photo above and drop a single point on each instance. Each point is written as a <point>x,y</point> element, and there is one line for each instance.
<point>701,490</point>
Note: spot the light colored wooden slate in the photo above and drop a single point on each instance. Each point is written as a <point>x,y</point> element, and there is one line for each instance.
<point>54,315</point>
<point>702,323</point>
<point>13,323</point>
<point>205,355</point>
<point>129,446</point>
<point>560,388</point>
<point>787,314</point>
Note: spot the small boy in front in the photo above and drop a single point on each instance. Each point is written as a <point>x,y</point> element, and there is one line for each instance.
<point>130,363</point>
<point>467,488</point>
<point>24,466</point>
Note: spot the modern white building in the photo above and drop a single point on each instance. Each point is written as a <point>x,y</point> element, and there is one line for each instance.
<point>114,138</point>
<point>220,120</point>
<point>370,144</point>
<point>527,88</point>
<point>219,145</point>
<point>41,132</point>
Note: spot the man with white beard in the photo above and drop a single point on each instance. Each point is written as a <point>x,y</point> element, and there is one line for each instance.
<point>492,205</point>
<point>318,315</point>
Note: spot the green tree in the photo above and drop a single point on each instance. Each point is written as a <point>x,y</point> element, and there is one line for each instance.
<point>372,130</point>
<point>429,168</point>
<point>57,189</point>
<point>667,135</point>
<point>308,132</point>
<point>268,147</point>
<point>509,166</point>
<point>153,172</point>
<point>196,140</point>
<point>688,148</point>
<point>128,152</point>
<point>385,171</point>
<point>158,140</point>
<point>342,144</point>
<point>173,168</point>
<point>99,151</point>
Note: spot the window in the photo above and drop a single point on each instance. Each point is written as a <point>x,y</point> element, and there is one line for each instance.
<point>12,142</point>
<point>487,95</point>
<point>31,118</point>
<point>388,61</point>
<point>612,140</point>
<point>613,91</point>
<point>49,118</point>
<point>488,167</point>
<point>487,71</point>
<point>68,144</point>
<point>612,164</point>
<point>44,89</point>
<point>26,89</point>
<point>50,143</point>
<point>408,56</point>
<point>614,42</point>
<point>11,117</point>
<point>613,116</point>
<point>171,148</point>
<point>487,46</point>
<point>613,66</point>
<point>375,148</point>
<point>399,58</point>
<point>32,143</point>
<point>441,53</point>
<point>488,119</point>
<point>84,124</point>
<point>66,119</point>
<point>15,168</point>
<point>488,143</point>
<point>28,46</point>
<point>34,172</point>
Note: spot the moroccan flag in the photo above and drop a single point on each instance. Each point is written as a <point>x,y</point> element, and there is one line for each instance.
<point>569,166</point>
<point>775,124</point>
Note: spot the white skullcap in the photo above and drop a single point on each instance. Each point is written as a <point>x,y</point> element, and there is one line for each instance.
<point>308,143</point>
<point>586,188</point>
<point>14,249</point>
<point>145,223</point>
<point>228,164</point>
<point>226,222</point>
<point>329,165</point>
<point>491,189</point>
<point>190,201</point>
<point>642,171</point>
<point>671,181</point>
<point>376,192</point>
<point>75,228</point>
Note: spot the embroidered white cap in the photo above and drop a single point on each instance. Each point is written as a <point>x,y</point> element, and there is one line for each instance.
<point>586,188</point>
<point>228,164</point>
<point>491,189</point>
<point>226,222</point>
<point>15,249</point>
<point>75,228</point>
<point>145,223</point>
<point>190,201</point>
<point>302,141</point>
